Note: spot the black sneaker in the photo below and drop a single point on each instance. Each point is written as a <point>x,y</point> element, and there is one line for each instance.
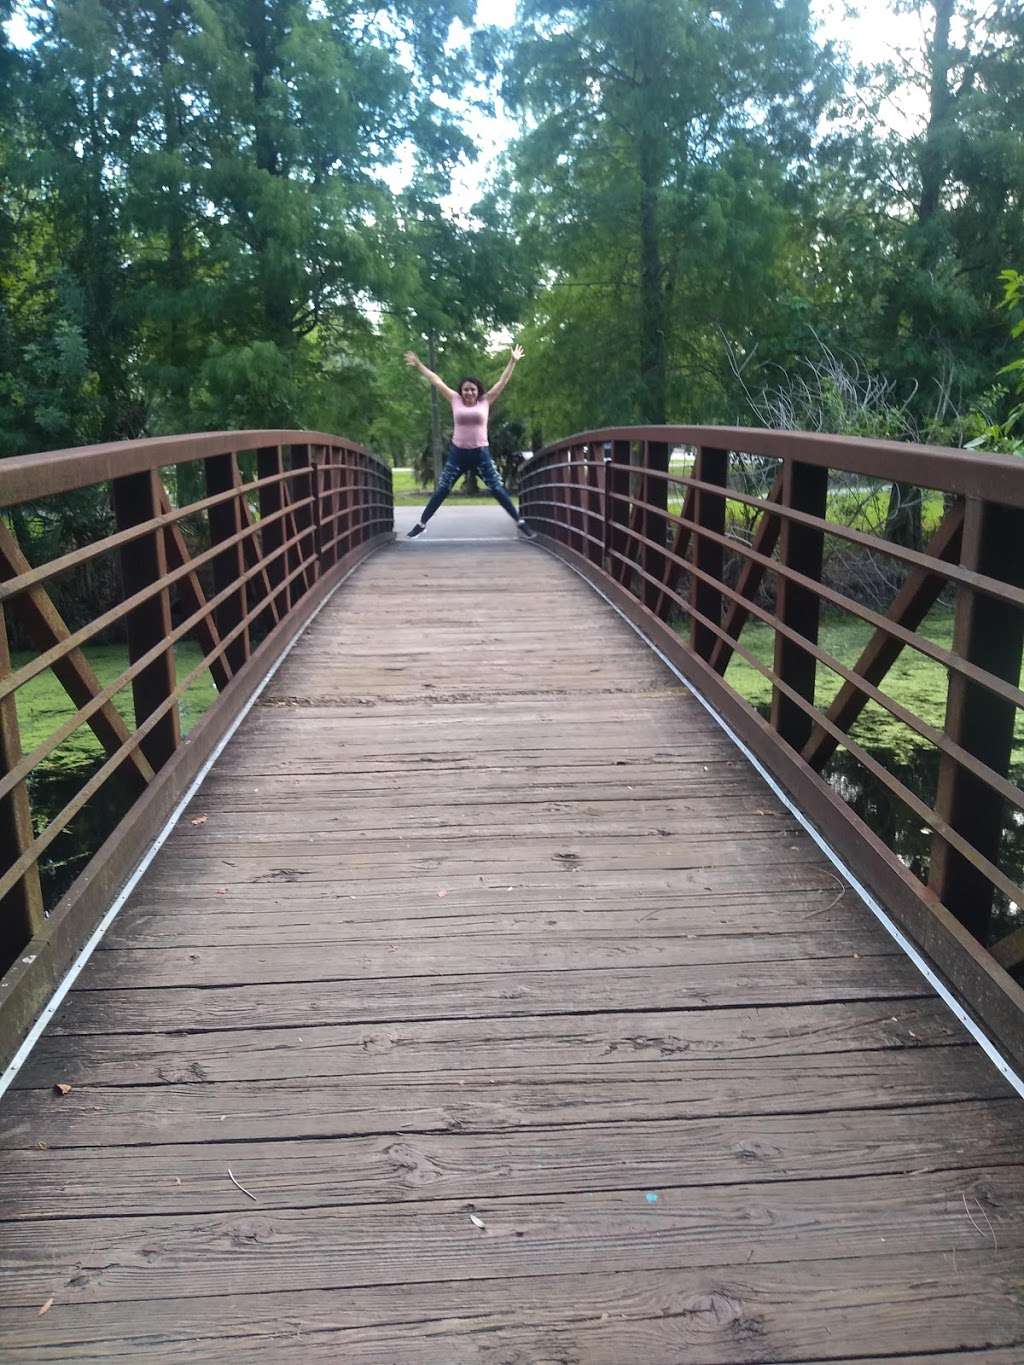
<point>417,530</point>
<point>528,532</point>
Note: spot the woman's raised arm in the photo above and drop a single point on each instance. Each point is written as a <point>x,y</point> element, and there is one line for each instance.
<point>506,374</point>
<point>417,364</point>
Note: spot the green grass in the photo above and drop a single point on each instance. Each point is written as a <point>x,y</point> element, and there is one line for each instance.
<point>409,494</point>
<point>43,705</point>
<point>865,512</point>
<point>917,682</point>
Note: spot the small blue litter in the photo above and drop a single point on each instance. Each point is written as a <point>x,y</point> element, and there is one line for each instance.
<point>651,1197</point>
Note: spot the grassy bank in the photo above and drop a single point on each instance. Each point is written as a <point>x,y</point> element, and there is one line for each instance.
<point>43,705</point>
<point>914,680</point>
<point>409,494</point>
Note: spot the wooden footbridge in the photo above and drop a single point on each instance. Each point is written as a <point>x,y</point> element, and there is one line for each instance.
<point>482,978</point>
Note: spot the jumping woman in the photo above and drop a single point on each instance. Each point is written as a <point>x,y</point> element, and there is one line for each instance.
<point>469,449</point>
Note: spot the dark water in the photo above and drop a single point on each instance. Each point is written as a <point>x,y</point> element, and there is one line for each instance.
<point>904,833</point>
<point>50,789</point>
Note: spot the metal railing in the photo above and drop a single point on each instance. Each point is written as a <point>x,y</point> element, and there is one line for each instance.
<point>227,540</point>
<point>741,530</point>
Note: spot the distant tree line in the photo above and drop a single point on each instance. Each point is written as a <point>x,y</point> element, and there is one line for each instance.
<point>198,225</point>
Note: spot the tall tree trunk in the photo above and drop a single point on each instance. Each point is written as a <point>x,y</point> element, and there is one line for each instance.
<point>934,157</point>
<point>652,298</point>
<point>903,518</point>
<point>276,300</point>
<point>176,268</point>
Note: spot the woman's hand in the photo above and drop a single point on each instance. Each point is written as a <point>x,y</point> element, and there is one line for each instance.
<point>517,352</point>
<point>411,358</point>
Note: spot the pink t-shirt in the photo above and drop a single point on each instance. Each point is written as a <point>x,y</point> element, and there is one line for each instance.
<point>470,423</point>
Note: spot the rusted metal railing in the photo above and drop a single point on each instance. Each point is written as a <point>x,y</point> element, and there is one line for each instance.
<point>273,521</point>
<point>664,541</point>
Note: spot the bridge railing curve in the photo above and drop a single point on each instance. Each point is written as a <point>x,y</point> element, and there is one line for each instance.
<point>213,551</point>
<point>738,531</point>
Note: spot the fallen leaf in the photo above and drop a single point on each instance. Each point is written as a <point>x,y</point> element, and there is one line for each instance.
<point>42,1145</point>
<point>61,1089</point>
<point>477,1222</point>
<point>200,820</point>
<point>45,1308</point>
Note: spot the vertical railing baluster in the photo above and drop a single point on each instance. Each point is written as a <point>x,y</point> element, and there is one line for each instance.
<point>990,634</point>
<point>272,534</point>
<point>21,910</point>
<point>345,484</point>
<point>595,504</point>
<point>360,498</point>
<point>654,523</point>
<point>225,521</point>
<point>804,489</point>
<point>617,507</point>
<point>138,497</point>
<point>303,519</point>
<point>711,465</point>
<point>575,492</point>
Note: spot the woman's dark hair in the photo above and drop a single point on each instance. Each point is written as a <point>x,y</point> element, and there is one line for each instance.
<point>471,379</point>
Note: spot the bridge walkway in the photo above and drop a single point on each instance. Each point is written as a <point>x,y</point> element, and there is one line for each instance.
<point>485,1005</point>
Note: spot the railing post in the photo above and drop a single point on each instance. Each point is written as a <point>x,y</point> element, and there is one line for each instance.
<point>137,497</point>
<point>654,524</point>
<point>329,522</point>
<point>710,466</point>
<point>579,519</point>
<point>21,910</point>
<point>617,503</point>
<point>990,634</point>
<point>226,523</point>
<point>343,524</point>
<point>804,489</point>
<point>303,519</point>
<point>604,506</point>
<point>318,487</point>
<point>272,537</point>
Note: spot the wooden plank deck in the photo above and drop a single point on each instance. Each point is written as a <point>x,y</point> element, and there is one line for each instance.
<point>534,1025</point>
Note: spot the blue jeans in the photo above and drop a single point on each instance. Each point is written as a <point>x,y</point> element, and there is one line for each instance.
<point>461,461</point>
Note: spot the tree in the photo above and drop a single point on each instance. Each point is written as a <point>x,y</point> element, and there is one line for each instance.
<point>466,280</point>
<point>651,176</point>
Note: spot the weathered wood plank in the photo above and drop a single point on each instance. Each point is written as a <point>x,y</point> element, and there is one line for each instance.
<point>184,1108</point>
<point>148,1181</point>
<point>184,1256</point>
<point>781,1311</point>
<point>757,985</point>
<point>259,1054</point>
<point>508,954</point>
<point>353,921</point>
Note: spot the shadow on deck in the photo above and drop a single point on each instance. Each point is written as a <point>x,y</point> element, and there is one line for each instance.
<point>487,1006</point>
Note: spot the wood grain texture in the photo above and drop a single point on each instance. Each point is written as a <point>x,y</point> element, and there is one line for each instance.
<point>532,1025</point>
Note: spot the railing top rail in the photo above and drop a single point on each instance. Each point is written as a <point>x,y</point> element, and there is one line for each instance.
<point>27,477</point>
<point>999,478</point>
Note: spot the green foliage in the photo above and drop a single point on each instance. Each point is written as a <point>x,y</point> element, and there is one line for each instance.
<point>195,214</point>
<point>1004,433</point>
<point>654,186</point>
